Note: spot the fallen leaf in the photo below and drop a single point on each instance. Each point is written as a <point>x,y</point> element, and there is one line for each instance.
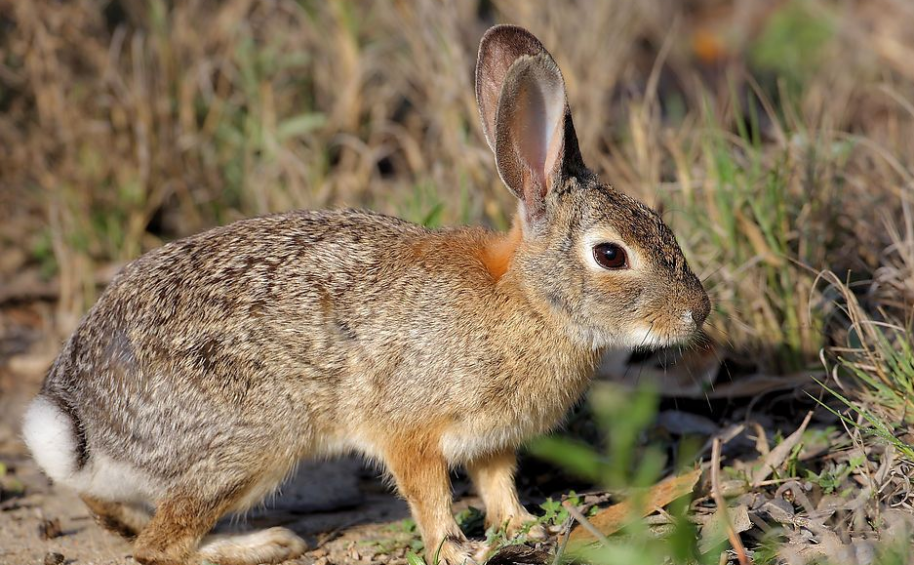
<point>610,520</point>
<point>779,454</point>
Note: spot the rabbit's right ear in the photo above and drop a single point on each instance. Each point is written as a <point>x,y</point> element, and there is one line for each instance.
<point>525,117</point>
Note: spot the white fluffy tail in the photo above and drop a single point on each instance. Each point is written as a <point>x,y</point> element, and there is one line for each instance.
<point>51,436</point>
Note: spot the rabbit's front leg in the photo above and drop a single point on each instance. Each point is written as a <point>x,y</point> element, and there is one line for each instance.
<point>421,473</point>
<point>493,476</point>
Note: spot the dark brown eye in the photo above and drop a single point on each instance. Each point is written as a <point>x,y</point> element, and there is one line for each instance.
<point>610,256</point>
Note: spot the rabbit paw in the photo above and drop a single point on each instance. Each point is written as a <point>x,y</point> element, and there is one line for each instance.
<point>462,552</point>
<point>537,532</point>
<point>273,545</point>
<point>524,523</point>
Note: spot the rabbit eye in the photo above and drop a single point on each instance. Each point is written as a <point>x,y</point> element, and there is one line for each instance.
<point>610,256</point>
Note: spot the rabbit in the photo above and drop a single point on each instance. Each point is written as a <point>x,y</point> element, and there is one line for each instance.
<point>210,366</point>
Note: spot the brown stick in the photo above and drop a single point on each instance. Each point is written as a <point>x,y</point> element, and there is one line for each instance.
<point>737,543</point>
<point>585,523</point>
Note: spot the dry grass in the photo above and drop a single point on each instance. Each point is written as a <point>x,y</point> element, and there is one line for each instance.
<point>128,124</point>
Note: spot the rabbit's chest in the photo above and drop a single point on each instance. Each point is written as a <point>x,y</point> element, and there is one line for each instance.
<point>515,414</point>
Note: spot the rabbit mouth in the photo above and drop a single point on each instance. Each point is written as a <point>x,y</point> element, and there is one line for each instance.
<point>648,337</point>
<point>651,337</point>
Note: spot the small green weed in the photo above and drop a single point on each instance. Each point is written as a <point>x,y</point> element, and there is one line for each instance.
<point>833,475</point>
<point>554,512</point>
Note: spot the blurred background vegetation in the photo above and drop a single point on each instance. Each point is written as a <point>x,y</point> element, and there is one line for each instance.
<point>776,136</point>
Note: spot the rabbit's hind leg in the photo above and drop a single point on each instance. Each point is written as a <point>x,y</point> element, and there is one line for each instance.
<point>179,523</point>
<point>117,517</point>
<point>183,518</point>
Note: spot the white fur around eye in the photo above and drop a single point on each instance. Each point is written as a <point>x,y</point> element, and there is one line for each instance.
<point>594,239</point>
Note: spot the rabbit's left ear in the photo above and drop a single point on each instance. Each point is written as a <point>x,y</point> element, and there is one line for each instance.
<point>522,102</point>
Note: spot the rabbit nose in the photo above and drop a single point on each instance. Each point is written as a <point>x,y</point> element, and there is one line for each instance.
<point>701,310</point>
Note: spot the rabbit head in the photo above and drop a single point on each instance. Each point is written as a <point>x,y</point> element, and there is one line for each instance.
<point>602,261</point>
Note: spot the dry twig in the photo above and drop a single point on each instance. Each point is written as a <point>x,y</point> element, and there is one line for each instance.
<point>735,541</point>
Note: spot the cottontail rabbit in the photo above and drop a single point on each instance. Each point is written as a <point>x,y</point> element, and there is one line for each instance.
<point>210,366</point>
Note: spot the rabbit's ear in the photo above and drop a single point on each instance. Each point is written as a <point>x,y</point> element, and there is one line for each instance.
<point>498,49</point>
<point>525,115</point>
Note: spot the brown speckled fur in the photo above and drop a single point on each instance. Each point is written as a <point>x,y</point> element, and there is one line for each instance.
<point>212,365</point>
